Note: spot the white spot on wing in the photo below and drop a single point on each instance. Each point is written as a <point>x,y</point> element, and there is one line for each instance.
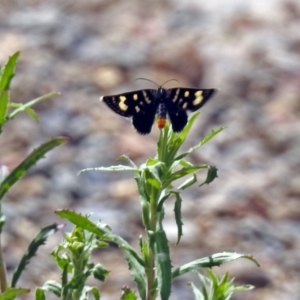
<point>147,99</point>
<point>176,95</point>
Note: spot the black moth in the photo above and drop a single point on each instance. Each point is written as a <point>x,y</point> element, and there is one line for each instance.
<point>144,105</point>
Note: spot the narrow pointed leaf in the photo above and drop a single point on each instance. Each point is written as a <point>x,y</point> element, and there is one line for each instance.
<point>91,290</point>
<point>151,181</point>
<point>197,294</point>
<point>27,105</point>
<point>164,266</point>
<point>211,135</point>
<point>39,240</point>
<point>175,141</point>
<point>135,263</point>
<point>110,169</point>
<point>53,287</point>
<point>163,198</point>
<point>126,158</point>
<point>211,175</point>
<point>207,138</point>
<point>4,100</point>
<point>7,72</point>
<point>183,172</point>
<point>211,261</point>
<point>39,294</point>
<point>178,216</point>
<point>183,134</point>
<point>138,273</point>
<point>32,113</point>
<point>11,293</point>
<point>27,163</point>
<point>189,182</point>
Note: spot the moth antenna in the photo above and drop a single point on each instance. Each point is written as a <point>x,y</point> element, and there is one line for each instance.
<point>147,80</point>
<point>173,79</point>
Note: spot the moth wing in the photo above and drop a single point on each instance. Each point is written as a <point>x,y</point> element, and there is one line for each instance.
<point>190,99</point>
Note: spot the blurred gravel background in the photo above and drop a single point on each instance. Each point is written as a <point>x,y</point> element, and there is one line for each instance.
<point>249,50</point>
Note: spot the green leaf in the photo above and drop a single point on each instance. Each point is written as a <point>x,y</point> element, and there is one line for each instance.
<point>38,241</point>
<point>178,217</point>
<point>144,246</point>
<point>211,135</point>
<point>91,290</point>
<point>189,182</point>
<point>27,163</point>
<point>215,288</point>
<point>11,293</point>
<point>151,178</point>
<point>198,295</point>
<point>185,163</point>
<point>163,197</point>
<point>27,105</point>
<point>207,138</point>
<point>205,282</point>
<point>136,264</point>
<point>61,261</point>
<point>162,259</point>
<point>127,294</point>
<point>2,221</point>
<point>157,169</point>
<point>32,113</point>
<point>138,273</point>
<point>99,272</point>
<point>64,277</point>
<point>211,261</point>
<point>162,144</point>
<point>183,134</point>
<point>7,72</point>
<point>211,175</point>
<point>84,223</point>
<point>39,294</point>
<point>4,101</point>
<point>182,172</point>
<point>126,158</point>
<point>163,263</point>
<point>111,168</point>
<point>53,287</point>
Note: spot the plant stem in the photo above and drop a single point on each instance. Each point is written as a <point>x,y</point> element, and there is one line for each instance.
<point>152,289</point>
<point>3,275</point>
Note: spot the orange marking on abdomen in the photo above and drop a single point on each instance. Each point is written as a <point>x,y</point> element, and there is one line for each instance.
<point>161,123</point>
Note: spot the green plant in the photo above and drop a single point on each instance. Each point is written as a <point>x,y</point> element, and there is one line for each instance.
<point>9,110</point>
<point>151,266</point>
<point>214,288</point>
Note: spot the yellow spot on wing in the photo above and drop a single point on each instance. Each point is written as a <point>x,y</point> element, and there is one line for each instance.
<point>135,97</point>
<point>198,98</point>
<point>186,93</point>
<point>122,104</point>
